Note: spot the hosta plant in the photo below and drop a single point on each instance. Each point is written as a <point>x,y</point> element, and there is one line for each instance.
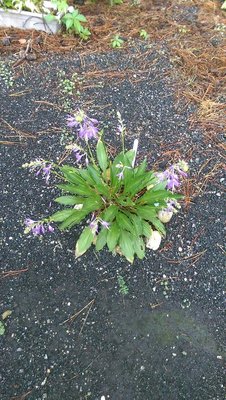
<point>121,203</point>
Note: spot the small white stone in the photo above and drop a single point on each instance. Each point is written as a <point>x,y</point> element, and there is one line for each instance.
<point>180,249</point>
<point>154,241</point>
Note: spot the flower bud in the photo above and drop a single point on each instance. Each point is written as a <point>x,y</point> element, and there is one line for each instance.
<point>154,241</point>
<point>71,9</point>
<point>183,165</point>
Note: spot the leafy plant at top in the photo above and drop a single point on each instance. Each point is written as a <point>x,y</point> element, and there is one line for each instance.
<point>73,23</point>
<point>125,204</point>
<point>70,18</point>
<point>27,5</point>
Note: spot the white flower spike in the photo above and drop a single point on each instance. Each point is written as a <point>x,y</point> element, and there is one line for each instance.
<point>135,147</point>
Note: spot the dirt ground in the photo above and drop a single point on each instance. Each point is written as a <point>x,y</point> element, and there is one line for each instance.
<point>72,335</point>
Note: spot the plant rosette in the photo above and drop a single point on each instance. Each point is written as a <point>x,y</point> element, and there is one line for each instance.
<point>123,203</point>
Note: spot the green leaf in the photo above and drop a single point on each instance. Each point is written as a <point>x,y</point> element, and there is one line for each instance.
<point>86,176</point>
<point>159,186</point>
<point>127,245</point>
<point>113,236</point>
<point>81,18</point>
<point>93,203</point>
<point>124,222</point>
<point>129,157</point>
<point>102,155</point>
<point>146,212</point>
<point>137,223</point>
<point>138,183</point>
<point>125,201</point>
<point>109,213</point>
<point>147,230</point>
<point>72,175</point>
<point>77,26</point>
<point>141,168</point>
<point>69,23</point>
<point>152,197</point>
<point>99,183</point>
<point>139,247</point>
<point>158,225</point>
<point>76,189</point>
<point>101,239</point>
<point>49,17</point>
<point>89,205</point>
<point>2,328</point>
<point>60,216</point>
<point>69,200</point>
<point>84,242</point>
<point>84,33</point>
<point>73,219</point>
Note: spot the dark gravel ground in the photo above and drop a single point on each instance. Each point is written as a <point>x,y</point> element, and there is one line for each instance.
<point>164,340</point>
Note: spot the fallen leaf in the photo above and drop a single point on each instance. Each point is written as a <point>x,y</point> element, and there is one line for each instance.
<point>22,41</point>
<point>6,314</point>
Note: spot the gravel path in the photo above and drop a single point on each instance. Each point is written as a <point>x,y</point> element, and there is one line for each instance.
<point>164,340</point>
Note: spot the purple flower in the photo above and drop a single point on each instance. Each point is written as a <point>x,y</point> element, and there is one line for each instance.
<point>38,230</point>
<point>172,175</point>
<point>71,121</point>
<point>94,226</point>
<point>37,227</point>
<point>87,127</point>
<point>78,156</point>
<point>170,205</point>
<point>50,228</point>
<point>28,222</point>
<point>105,224</point>
<point>119,130</point>
<point>46,172</point>
<point>88,130</point>
<point>120,175</point>
<point>41,166</point>
<point>172,180</point>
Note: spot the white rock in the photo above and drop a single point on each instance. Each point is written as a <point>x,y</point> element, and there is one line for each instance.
<point>165,216</point>
<point>154,241</point>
